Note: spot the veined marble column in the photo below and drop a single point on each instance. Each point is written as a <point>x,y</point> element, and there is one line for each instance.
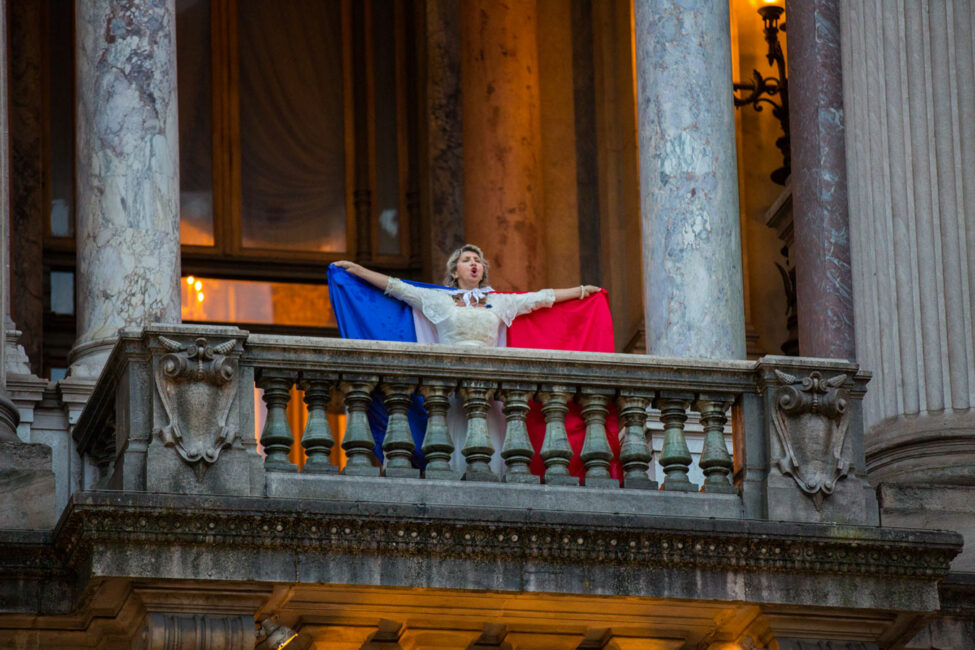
<point>127,172</point>
<point>824,285</point>
<point>688,180</point>
<point>909,95</point>
<point>502,139</point>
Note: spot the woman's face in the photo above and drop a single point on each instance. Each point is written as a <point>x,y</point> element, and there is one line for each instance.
<point>469,271</point>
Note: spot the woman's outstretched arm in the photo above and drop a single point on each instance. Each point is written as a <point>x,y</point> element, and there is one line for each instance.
<point>575,293</point>
<point>376,279</point>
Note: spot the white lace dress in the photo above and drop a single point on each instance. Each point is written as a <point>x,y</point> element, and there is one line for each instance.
<point>468,325</point>
<point>483,326</point>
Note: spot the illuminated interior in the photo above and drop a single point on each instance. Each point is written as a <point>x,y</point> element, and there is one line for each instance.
<point>270,303</point>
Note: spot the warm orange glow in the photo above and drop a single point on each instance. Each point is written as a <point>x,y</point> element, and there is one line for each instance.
<point>245,301</point>
<point>190,280</point>
<point>192,235</point>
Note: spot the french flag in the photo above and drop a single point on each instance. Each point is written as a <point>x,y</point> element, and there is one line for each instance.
<point>365,312</point>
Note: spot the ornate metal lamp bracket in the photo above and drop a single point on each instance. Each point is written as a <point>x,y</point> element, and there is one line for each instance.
<point>196,384</point>
<point>810,419</point>
<point>763,89</point>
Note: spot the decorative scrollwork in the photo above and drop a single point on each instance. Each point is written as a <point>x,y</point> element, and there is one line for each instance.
<point>810,419</point>
<point>196,385</point>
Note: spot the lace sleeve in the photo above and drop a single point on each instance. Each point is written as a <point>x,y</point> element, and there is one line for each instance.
<point>434,303</point>
<point>512,305</point>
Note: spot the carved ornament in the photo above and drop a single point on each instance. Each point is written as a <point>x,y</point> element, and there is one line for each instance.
<point>196,384</point>
<point>392,531</point>
<point>811,420</point>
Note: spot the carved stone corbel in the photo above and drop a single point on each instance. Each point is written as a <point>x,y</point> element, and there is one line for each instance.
<point>810,420</point>
<point>196,385</point>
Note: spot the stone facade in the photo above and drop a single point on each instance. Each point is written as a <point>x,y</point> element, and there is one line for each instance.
<point>139,509</point>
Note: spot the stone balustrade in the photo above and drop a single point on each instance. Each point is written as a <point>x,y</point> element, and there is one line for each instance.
<point>174,411</point>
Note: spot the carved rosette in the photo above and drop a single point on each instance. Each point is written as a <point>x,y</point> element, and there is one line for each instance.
<point>811,420</point>
<point>196,384</point>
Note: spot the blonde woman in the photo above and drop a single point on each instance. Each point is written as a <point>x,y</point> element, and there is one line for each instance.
<point>470,312</point>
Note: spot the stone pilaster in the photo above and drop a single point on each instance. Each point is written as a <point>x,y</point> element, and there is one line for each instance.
<point>9,418</point>
<point>824,285</point>
<point>26,149</point>
<point>443,129</point>
<point>502,139</point>
<point>688,180</point>
<point>127,172</point>
<point>909,96</point>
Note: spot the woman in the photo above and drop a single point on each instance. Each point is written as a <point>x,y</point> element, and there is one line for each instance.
<point>470,313</point>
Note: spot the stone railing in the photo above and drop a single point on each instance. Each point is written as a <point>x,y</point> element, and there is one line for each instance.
<point>174,412</point>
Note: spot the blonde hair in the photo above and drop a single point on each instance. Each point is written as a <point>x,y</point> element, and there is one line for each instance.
<point>449,279</point>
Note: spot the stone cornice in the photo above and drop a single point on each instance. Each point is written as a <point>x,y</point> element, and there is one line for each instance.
<point>491,534</point>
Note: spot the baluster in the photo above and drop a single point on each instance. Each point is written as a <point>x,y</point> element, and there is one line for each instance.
<point>398,445</point>
<point>596,452</point>
<point>517,450</point>
<point>675,457</point>
<point>317,438</point>
<point>477,445</point>
<point>635,453</point>
<point>276,437</point>
<point>358,442</point>
<point>715,461</point>
<point>556,451</point>
<point>437,444</point>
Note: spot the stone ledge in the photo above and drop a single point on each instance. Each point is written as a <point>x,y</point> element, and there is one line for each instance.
<point>512,496</point>
<point>140,536</point>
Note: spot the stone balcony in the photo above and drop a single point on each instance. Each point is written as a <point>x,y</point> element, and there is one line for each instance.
<point>177,490</point>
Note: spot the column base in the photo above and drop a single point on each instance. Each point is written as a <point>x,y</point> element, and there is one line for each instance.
<point>441,474</point>
<point>606,483</point>
<point>639,483</point>
<point>719,488</point>
<point>87,358</point>
<point>528,479</point>
<point>402,472</point>
<point>9,419</point>
<point>680,486</point>
<point>930,448</point>
<point>481,477</point>
<point>560,479</point>
<point>320,468</point>
<point>371,470</point>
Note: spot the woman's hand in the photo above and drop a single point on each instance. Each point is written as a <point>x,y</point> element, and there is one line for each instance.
<point>576,293</point>
<point>587,290</point>
<point>378,280</point>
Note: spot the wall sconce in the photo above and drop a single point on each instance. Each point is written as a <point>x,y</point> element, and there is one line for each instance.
<point>763,89</point>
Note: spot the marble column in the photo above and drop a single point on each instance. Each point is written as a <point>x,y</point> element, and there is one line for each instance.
<point>909,97</point>
<point>692,276</point>
<point>443,130</point>
<point>502,139</point>
<point>127,172</point>
<point>824,285</point>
